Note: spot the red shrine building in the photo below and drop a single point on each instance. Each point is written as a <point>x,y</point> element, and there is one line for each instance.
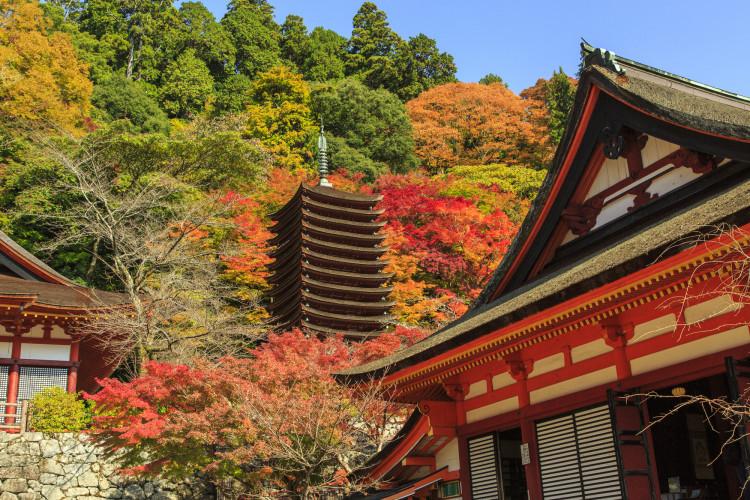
<point>41,313</point>
<point>327,270</point>
<point>628,276</point>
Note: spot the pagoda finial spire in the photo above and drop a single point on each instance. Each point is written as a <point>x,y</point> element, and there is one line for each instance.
<point>323,158</point>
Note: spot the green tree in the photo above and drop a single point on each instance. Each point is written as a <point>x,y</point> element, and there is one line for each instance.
<point>255,35</point>
<point>121,99</point>
<point>375,49</point>
<point>233,94</point>
<point>326,60</point>
<point>200,31</point>
<point>560,95</point>
<point>295,42</point>
<point>137,33</point>
<point>491,78</point>
<point>279,116</point>
<point>371,122</point>
<point>426,67</point>
<point>188,85</point>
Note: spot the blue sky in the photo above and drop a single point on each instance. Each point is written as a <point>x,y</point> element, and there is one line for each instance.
<point>520,40</point>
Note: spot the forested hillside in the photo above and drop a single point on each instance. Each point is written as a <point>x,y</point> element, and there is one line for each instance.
<point>228,109</point>
<point>143,145</point>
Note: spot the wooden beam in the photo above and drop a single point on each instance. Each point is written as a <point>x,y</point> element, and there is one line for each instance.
<point>418,462</point>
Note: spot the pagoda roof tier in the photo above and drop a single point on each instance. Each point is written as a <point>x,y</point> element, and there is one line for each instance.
<point>291,207</point>
<point>374,320</point>
<point>289,291</point>
<point>343,249</point>
<point>345,276</point>
<point>280,288</point>
<point>335,260</point>
<point>328,266</point>
<point>286,233</point>
<point>356,238</point>
<point>285,308</point>
<point>282,274</point>
<point>341,198</point>
<point>332,301</point>
<point>288,254</point>
<point>343,224</point>
<point>348,213</point>
<point>381,291</point>
<point>322,330</point>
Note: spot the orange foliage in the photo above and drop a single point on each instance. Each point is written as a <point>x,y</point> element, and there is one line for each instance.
<point>42,82</point>
<point>475,124</point>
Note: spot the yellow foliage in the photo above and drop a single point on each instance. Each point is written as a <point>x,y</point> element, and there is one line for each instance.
<point>42,82</point>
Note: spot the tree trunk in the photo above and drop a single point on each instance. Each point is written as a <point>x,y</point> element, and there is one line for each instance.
<point>94,259</point>
<point>131,55</point>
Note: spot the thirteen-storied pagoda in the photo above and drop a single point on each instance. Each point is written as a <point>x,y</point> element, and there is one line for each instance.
<point>328,261</point>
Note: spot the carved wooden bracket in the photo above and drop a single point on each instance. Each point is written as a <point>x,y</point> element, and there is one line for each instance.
<point>617,335</point>
<point>456,392</point>
<point>519,369</point>
<point>581,218</point>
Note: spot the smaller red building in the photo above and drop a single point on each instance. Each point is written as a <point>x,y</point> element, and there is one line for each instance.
<point>41,313</point>
<point>629,275</point>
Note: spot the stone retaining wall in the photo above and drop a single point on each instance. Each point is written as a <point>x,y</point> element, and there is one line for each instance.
<point>36,466</point>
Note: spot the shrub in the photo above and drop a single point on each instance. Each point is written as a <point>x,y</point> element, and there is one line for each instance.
<point>56,410</point>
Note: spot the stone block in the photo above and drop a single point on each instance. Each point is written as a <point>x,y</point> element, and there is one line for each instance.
<point>50,447</point>
<point>50,466</point>
<point>88,479</point>
<point>10,472</point>
<point>6,437</point>
<point>50,492</point>
<point>76,492</point>
<point>30,495</point>
<point>32,436</point>
<point>15,485</point>
<point>31,472</point>
<point>47,478</point>
<point>134,492</point>
<point>8,496</point>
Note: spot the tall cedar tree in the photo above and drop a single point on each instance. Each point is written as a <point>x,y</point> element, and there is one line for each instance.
<point>255,35</point>
<point>381,58</point>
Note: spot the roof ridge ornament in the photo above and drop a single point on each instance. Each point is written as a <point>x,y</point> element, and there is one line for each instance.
<point>323,158</point>
<point>601,57</point>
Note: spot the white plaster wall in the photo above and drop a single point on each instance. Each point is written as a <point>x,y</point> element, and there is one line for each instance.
<point>491,410</point>
<point>691,350</point>
<point>448,456</point>
<point>49,352</point>
<point>575,384</point>
<point>477,389</point>
<point>589,350</point>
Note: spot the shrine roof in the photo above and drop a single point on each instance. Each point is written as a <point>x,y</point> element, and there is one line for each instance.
<point>68,296</point>
<point>606,265</point>
<point>23,258</point>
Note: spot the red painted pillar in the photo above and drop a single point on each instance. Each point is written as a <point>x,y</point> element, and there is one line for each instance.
<point>73,370</point>
<point>617,337</point>
<point>13,374</point>
<point>533,482</point>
